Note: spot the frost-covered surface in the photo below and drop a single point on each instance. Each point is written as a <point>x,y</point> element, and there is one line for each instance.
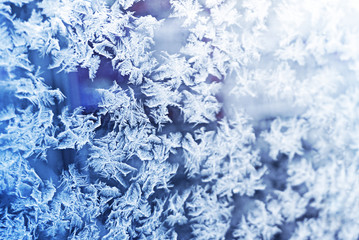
<point>180,119</point>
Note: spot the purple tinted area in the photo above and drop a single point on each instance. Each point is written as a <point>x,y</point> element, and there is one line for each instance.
<point>82,90</point>
<point>157,8</point>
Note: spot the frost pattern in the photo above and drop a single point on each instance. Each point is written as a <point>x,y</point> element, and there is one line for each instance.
<point>243,125</point>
